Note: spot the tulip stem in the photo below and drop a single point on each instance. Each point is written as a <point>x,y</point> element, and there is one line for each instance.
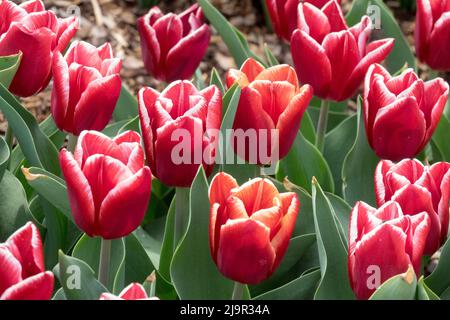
<point>103,267</point>
<point>72,142</point>
<point>181,212</point>
<point>322,125</point>
<point>238,291</point>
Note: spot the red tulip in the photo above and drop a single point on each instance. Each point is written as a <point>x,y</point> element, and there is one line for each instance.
<point>86,87</point>
<point>383,243</point>
<point>271,99</point>
<point>38,34</point>
<point>284,15</point>
<point>23,275</point>
<point>250,227</point>
<point>418,188</point>
<point>401,113</point>
<point>108,185</point>
<point>134,291</point>
<point>432,33</point>
<point>173,45</point>
<point>180,115</point>
<point>330,56</point>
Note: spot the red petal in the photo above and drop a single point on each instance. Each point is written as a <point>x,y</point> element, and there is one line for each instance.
<point>245,253</point>
<point>151,51</point>
<point>220,188</point>
<point>32,6</point>
<point>440,173</point>
<point>169,31</point>
<point>251,68</point>
<point>438,54</point>
<point>67,28</point>
<point>11,269</point>
<point>311,63</point>
<point>282,72</point>
<point>336,18</point>
<point>213,96</point>
<point>26,245</point>
<point>79,191</point>
<point>102,92</point>
<point>60,92</point>
<point>313,21</point>
<point>435,99</point>
<point>134,291</point>
<point>290,119</point>
<point>257,194</point>
<point>124,208</point>
<point>38,287</point>
<point>399,130</point>
<point>424,25</point>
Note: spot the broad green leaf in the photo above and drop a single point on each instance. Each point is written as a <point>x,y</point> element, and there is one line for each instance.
<point>59,295</point>
<point>113,129</point>
<point>87,249</point>
<point>440,138</point>
<point>389,27</point>
<point>302,163</point>
<point>36,146</point>
<point>400,287</point>
<point>78,279</point>
<point>307,128</point>
<point>150,241</point>
<point>14,210</point>
<point>342,213</point>
<point>8,68</point>
<point>226,31</point>
<point>337,145</point>
<point>132,124</point>
<point>194,274</point>
<point>332,248</point>
<point>51,187</point>
<point>4,156</point>
<point>215,80</point>
<point>138,265</point>
<point>198,80</point>
<point>127,105</point>
<point>359,167</point>
<point>423,292</point>
<point>302,288</point>
<point>270,57</point>
<point>439,281</point>
<point>168,244</point>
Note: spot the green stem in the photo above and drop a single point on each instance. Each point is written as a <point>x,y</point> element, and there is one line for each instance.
<point>181,211</point>
<point>238,291</point>
<point>322,125</point>
<point>72,142</point>
<point>103,267</point>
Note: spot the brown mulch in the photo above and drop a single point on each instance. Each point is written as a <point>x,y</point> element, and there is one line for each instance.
<point>117,24</point>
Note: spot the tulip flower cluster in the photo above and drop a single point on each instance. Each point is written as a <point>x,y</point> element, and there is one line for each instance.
<point>105,200</point>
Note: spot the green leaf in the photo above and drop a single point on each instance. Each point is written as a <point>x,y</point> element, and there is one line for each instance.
<point>14,211</point>
<point>272,61</point>
<point>87,249</point>
<point>302,288</point>
<point>359,167</point>
<point>50,187</point>
<point>4,157</point>
<point>150,243</point>
<point>423,292</point>
<point>194,274</point>
<point>215,80</point>
<point>36,146</point>
<point>334,283</point>
<point>127,105</point>
<point>335,118</point>
<point>226,31</point>
<point>303,162</point>
<point>138,265</point>
<point>400,287</point>
<point>168,244</point>
<point>440,138</point>
<point>307,128</point>
<point>439,281</point>
<point>337,145</point>
<point>8,68</point>
<point>389,28</point>
<point>229,104</point>
<point>78,279</point>
<point>113,129</point>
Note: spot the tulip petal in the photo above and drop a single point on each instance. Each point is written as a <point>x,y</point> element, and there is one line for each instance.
<point>399,130</point>
<point>134,291</point>
<point>336,18</point>
<point>38,287</point>
<point>213,96</point>
<point>435,99</point>
<point>60,92</point>
<point>151,51</point>
<point>257,194</point>
<point>311,62</point>
<point>290,119</point>
<point>382,191</point>
<point>313,21</point>
<point>102,92</point>
<point>251,68</point>
<point>67,28</point>
<point>440,173</point>
<point>11,269</point>
<point>245,253</point>
<point>79,191</point>
<point>438,57</point>
<point>32,6</point>
<point>124,208</point>
<point>282,72</point>
<point>221,187</point>
<point>424,25</point>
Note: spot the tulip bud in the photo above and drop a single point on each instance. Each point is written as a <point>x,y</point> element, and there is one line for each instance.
<point>250,227</point>
<point>173,45</point>
<point>284,15</point>
<point>329,55</point>
<point>417,188</point>
<point>108,185</point>
<point>23,275</point>
<point>271,100</point>
<point>134,291</point>
<point>179,127</point>
<point>402,112</point>
<point>38,34</point>
<point>432,33</point>
<point>383,243</point>
<point>86,87</point>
